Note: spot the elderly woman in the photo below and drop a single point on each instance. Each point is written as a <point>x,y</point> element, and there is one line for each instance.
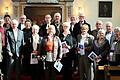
<point>115,49</point>
<point>51,48</point>
<point>35,42</point>
<point>67,44</point>
<point>85,42</point>
<point>101,47</point>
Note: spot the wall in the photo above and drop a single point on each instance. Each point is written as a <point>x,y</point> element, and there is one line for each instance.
<point>3,5</point>
<point>90,7</point>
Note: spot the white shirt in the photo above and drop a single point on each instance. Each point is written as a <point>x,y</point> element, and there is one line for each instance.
<point>22,26</point>
<point>35,41</point>
<point>108,36</point>
<point>81,45</point>
<point>15,31</point>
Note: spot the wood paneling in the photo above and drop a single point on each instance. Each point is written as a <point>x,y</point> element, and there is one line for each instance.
<point>36,13</point>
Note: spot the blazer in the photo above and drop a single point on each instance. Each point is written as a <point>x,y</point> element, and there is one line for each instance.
<point>19,26</point>
<point>58,30</point>
<point>77,29</point>
<point>57,47</point>
<point>14,47</point>
<point>68,39</point>
<point>88,43</point>
<point>111,38</point>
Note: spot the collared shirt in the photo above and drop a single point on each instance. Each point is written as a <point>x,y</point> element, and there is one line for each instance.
<point>22,26</point>
<point>108,36</point>
<point>15,31</point>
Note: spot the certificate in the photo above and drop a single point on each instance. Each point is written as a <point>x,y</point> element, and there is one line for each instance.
<point>33,58</point>
<point>58,65</point>
<point>92,56</point>
<point>64,47</point>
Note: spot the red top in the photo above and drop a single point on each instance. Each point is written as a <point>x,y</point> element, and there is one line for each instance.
<point>3,36</point>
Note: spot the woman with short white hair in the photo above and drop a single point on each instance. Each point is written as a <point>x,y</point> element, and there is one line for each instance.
<point>35,54</point>
<point>115,49</point>
<point>51,49</point>
<point>67,45</point>
<point>84,47</point>
<point>101,47</point>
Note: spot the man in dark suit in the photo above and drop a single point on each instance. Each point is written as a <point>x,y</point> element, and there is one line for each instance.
<point>77,27</point>
<point>73,21</point>
<point>15,41</point>
<point>21,25</point>
<point>57,23</point>
<point>44,27</point>
<point>98,26</point>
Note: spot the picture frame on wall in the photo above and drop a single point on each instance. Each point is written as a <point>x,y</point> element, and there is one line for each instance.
<point>105,9</point>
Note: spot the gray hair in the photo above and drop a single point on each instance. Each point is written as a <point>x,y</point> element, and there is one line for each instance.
<point>117,29</point>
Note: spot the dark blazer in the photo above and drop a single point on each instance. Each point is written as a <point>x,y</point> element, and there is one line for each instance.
<point>111,38</point>
<point>43,30</point>
<point>68,39</point>
<point>58,30</point>
<point>77,29</point>
<point>102,50</point>
<point>94,33</point>
<point>19,26</point>
<point>14,46</point>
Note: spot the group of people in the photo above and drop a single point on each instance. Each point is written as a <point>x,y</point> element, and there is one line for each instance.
<point>32,50</point>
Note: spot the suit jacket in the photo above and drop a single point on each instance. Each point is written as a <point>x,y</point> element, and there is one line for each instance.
<point>102,50</point>
<point>14,47</point>
<point>19,26</point>
<point>57,47</point>
<point>77,28</point>
<point>111,38</point>
<point>88,43</point>
<point>58,30</point>
<point>43,30</point>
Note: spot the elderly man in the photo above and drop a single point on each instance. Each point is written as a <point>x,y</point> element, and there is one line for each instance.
<point>15,41</point>
<point>77,27</point>
<point>43,29</point>
<point>57,23</point>
<point>21,25</point>
<point>109,32</point>
<point>98,25</point>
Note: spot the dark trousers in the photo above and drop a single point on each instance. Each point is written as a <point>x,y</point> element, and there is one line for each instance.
<point>36,71</point>
<point>67,68</point>
<point>84,67</point>
<point>13,65</point>
<point>50,71</point>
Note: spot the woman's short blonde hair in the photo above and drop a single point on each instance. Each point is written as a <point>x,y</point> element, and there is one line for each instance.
<point>51,27</point>
<point>35,27</point>
<point>85,26</point>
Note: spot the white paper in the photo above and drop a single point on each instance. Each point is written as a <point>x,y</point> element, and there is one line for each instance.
<point>64,49</point>
<point>58,65</point>
<point>33,59</point>
<point>92,56</point>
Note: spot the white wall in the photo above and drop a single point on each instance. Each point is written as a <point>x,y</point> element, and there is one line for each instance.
<point>91,11</point>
